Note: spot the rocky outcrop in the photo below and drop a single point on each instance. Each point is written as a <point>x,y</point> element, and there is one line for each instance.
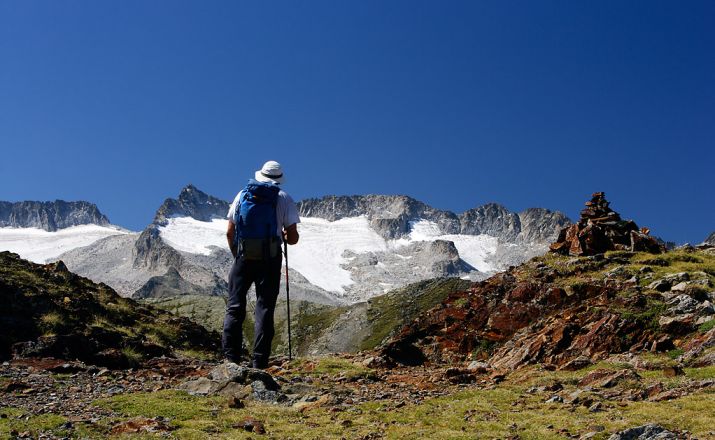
<point>151,252</point>
<point>710,240</point>
<point>601,229</point>
<point>557,310</point>
<point>52,312</point>
<point>172,284</point>
<point>193,203</point>
<point>50,216</point>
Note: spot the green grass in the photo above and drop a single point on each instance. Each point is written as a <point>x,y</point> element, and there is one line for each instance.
<point>32,424</point>
<point>205,310</point>
<point>311,321</point>
<point>707,326</point>
<point>501,412</point>
<point>52,322</point>
<point>172,404</point>
<point>134,357</point>
<point>676,353</point>
<point>331,366</point>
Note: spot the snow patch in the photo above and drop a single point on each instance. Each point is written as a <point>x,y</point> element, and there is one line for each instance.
<point>475,250</point>
<point>187,234</point>
<point>318,256</point>
<point>41,246</point>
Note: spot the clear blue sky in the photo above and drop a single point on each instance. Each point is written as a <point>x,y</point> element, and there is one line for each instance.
<point>530,103</point>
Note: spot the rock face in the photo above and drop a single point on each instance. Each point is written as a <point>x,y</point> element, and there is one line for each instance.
<point>151,254</point>
<point>50,216</point>
<point>601,229</point>
<point>541,225</point>
<point>391,217</point>
<point>50,311</point>
<point>491,219</point>
<point>388,215</point>
<point>710,240</point>
<point>192,203</point>
<point>172,284</point>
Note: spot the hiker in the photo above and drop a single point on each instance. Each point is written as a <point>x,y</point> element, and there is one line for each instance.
<point>261,216</point>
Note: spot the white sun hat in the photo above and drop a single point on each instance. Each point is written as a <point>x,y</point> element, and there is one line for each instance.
<point>272,172</point>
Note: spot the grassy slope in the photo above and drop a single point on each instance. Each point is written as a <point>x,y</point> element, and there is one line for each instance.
<point>45,301</point>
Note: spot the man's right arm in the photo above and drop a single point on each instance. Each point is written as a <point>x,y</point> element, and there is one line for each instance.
<point>290,234</point>
<point>231,237</point>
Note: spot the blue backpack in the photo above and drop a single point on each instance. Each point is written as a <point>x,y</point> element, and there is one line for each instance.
<point>256,223</point>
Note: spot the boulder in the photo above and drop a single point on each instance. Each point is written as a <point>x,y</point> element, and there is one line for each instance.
<point>646,432</point>
<point>236,381</point>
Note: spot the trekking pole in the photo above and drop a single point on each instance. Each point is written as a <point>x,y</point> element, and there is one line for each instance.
<point>290,348</point>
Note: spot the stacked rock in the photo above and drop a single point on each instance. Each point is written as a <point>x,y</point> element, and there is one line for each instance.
<point>601,229</point>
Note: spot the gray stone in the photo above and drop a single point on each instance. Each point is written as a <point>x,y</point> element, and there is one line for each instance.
<point>478,366</point>
<point>705,308</point>
<point>680,287</point>
<point>682,304</point>
<point>231,372</point>
<point>201,386</point>
<point>261,392</point>
<point>645,432</point>
<point>677,277</point>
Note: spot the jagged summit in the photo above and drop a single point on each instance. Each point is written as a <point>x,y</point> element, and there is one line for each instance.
<point>392,215</point>
<point>710,240</point>
<point>192,202</point>
<point>601,229</point>
<point>50,216</point>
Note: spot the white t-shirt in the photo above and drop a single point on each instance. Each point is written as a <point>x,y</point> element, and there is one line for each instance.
<point>286,211</point>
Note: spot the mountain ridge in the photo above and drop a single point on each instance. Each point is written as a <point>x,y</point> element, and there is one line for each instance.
<point>390,215</point>
<point>51,215</point>
<point>413,240</point>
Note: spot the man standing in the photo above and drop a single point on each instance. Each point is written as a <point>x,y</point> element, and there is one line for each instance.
<point>261,216</point>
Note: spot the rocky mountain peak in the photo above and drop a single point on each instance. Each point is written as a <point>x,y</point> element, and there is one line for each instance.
<point>710,240</point>
<point>192,202</point>
<point>542,225</point>
<point>50,216</point>
<point>391,215</point>
<point>491,219</point>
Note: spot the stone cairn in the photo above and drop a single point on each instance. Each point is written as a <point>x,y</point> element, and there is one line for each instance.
<point>601,229</point>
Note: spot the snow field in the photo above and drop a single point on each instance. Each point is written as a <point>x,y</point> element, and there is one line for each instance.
<point>319,254</point>
<point>41,246</point>
<point>194,236</point>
